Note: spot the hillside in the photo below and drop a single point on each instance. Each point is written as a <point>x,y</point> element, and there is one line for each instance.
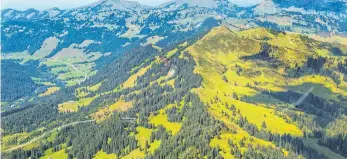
<point>228,94</point>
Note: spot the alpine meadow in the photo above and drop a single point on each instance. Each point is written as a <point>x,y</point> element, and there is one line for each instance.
<point>187,79</point>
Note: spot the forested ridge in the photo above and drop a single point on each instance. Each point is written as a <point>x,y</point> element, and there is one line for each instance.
<point>224,95</point>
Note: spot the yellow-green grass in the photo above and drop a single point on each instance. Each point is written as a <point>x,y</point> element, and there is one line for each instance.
<point>214,63</point>
<point>162,119</point>
<point>73,82</point>
<point>49,91</point>
<point>154,146</point>
<point>332,39</point>
<point>104,113</point>
<point>217,55</point>
<point>31,146</point>
<point>43,82</point>
<point>157,48</point>
<point>223,143</point>
<point>72,106</point>
<point>80,92</point>
<point>164,80</point>
<point>135,154</point>
<point>52,137</point>
<point>236,138</point>
<point>47,83</point>
<point>71,74</point>
<point>14,140</point>
<point>294,48</point>
<point>171,53</point>
<point>214,86</point>
<point>56,70</point>
<point>35,79</point>
<point>288,40</point>
<point>95,87</point>
<point>130,82</point>
<point>131,134</point>
<point>257,115</point>
<point>171,83</point>
<point>92,73</point>
<point>6,141</point>
<point>184,44</point>
<point>109,140</point>
<point>61,154</point>
<point>103,155</point>
<point>143,135</point>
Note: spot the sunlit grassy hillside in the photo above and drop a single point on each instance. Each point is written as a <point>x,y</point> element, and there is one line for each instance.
<point>240,68</point>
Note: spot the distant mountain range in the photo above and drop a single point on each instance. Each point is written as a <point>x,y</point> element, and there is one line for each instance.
<point>131,20</point>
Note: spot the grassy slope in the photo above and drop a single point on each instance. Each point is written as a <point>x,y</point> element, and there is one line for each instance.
<point>50,91</point>
<point>220,55</point>
<point>162,119</point>
<point>103,155</point>
<point>61,154</point>
<point>106,112</point>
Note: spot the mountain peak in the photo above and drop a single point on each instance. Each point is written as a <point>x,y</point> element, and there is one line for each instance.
<point>120,4</point>
<point>266,7</point>
<point>55,8</point>
<point>198,3</point>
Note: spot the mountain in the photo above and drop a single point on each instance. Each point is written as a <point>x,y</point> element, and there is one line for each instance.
<point>186,79</point>
<point>195,3</point>
<point>324,5</point>
<point>267,7</point>
<point>119,4</point>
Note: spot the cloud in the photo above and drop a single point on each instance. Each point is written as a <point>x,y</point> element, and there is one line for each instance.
<point>64,4</point>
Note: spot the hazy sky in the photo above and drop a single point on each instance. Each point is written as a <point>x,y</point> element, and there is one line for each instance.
<point>46,4</point>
